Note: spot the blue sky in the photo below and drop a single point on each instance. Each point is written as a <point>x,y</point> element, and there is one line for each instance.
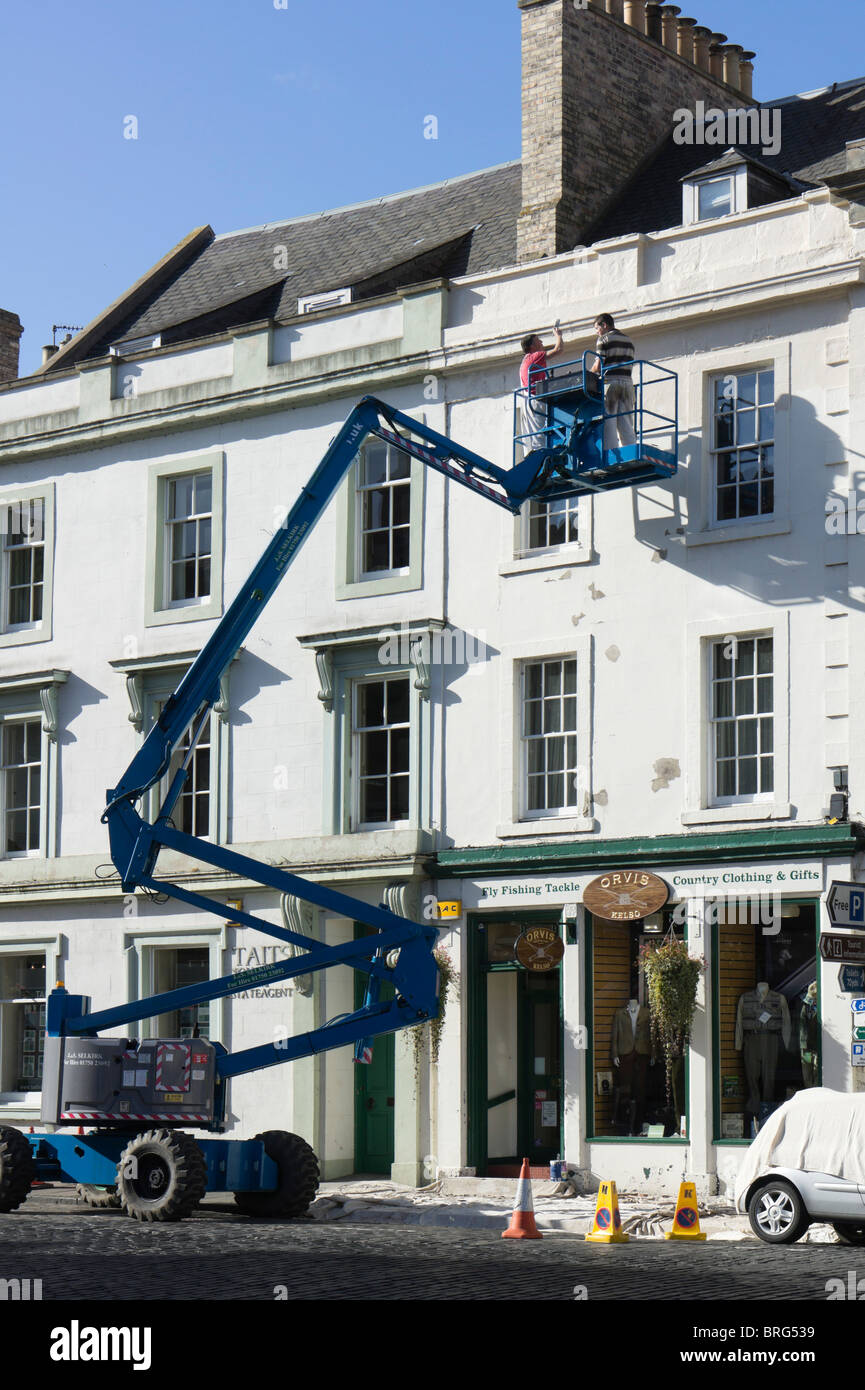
<point>248,113</point>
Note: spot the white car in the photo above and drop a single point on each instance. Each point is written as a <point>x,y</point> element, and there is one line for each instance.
<point>807,1164</point>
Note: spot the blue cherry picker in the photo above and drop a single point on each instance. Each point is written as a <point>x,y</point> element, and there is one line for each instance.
<point>135,1095</point>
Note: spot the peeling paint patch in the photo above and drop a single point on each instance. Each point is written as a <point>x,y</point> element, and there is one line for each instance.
<point>596,593</point>
<point>666,771</point>
<point>647,1173</point>
<point>601,798</point>
<point>612,653</point>
<point>576,617</point>
<point>554,578</point>
<point>658,556</point>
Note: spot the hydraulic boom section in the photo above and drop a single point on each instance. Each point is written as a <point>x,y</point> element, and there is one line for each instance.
<point>123,1087</point>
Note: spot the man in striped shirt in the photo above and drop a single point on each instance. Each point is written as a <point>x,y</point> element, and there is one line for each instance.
<point>614,348</point>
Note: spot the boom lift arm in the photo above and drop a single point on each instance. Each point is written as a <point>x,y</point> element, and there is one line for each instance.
<point>402,950</point>
<point>123,1086</point>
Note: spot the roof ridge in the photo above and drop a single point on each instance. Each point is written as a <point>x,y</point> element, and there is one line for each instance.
<point>816,92</point>
<point>368,202</point>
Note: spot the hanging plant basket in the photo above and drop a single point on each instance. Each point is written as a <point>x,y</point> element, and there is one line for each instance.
<point>671,977</point>
<point>449,983</point>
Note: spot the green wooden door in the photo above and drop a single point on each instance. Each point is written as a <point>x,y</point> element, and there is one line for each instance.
<point>540,1110</point>
<point>374,1094</point>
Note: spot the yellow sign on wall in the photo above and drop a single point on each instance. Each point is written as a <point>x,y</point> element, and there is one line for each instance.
<point>450,909</point>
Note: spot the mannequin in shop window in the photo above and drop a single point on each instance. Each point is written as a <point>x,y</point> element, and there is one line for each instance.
<point>762,1025</point>
<point>630,1051</point>
<point>809,1036</point>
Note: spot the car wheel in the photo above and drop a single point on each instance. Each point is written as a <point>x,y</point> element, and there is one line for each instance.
<point>851,1232</point>
<point>777,1212</point>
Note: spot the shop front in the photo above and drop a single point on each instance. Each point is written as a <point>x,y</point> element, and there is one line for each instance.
<point>560,1056</point>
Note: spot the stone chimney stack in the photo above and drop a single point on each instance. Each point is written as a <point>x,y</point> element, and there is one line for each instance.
<point>601,85</point>
<point>10,334</point>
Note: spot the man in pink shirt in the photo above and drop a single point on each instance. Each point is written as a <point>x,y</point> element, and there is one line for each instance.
<point>535,361</point>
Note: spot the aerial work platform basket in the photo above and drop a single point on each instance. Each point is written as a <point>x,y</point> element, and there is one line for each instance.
<point>560,421</point>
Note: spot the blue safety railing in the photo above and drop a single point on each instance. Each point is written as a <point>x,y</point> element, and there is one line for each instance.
<point>563,408</point>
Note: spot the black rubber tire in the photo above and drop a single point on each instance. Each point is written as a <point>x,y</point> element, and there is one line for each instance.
<point>851,1232</point>
<point>777,1213</point>
<point>98,1197</point>
<point>298,1177</point>
<point>161,1175</point>
<point>17,1169</point>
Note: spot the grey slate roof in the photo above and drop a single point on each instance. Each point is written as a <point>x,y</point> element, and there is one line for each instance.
<point>814,130</point>
<point>452,228</point>
<point>461,226</point>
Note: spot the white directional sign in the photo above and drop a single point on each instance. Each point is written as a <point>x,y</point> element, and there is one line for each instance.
<point>845,903</point>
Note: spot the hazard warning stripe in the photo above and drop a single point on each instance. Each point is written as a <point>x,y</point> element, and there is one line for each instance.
<point>441,463</point>
<point>112,1115</point>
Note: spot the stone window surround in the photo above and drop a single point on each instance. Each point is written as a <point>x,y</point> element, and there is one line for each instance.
<point>157,610</point>
<point>579,552</point>
<point>15,1106</point>
<point>342,659</point>
<point>35,695</point>
<point>348,532</point>
<point>698,773</point>
<point>41,631</point>
<point>150,678</point>
<point>701,529</point>
<point>513,822</point>
<point>140,947</point>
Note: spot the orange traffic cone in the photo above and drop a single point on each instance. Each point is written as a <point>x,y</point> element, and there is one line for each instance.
<point>522,1225</point>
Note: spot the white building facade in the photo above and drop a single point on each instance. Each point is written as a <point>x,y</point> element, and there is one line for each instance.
<point>446,704</point>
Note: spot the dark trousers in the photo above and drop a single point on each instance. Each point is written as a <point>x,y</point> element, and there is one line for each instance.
<point>761,1062</point>
<point>630,1090</point>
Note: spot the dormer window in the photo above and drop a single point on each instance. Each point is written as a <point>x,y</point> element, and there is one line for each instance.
<point>715,190</point>
<point>714,198</point>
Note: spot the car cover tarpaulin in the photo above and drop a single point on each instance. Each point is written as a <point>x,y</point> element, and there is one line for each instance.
<point>818,1130</point>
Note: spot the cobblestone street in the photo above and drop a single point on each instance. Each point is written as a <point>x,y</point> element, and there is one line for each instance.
<point>215,1254</point>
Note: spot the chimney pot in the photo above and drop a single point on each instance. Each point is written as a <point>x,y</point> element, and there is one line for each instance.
<point>746,72</point>
<point>716,57</point>
<point>686,39</point>
<point>48,351</point>
<point>635,15</point>
<point>731,64</point>
<point>702,35</point>
<point>653,20</point>
<point>669,27</point>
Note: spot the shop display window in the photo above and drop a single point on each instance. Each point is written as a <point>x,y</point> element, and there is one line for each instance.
<point>627,1072</point>
<point>767,1010</point>
<point>22,1022</point>
<point>173,969</point>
